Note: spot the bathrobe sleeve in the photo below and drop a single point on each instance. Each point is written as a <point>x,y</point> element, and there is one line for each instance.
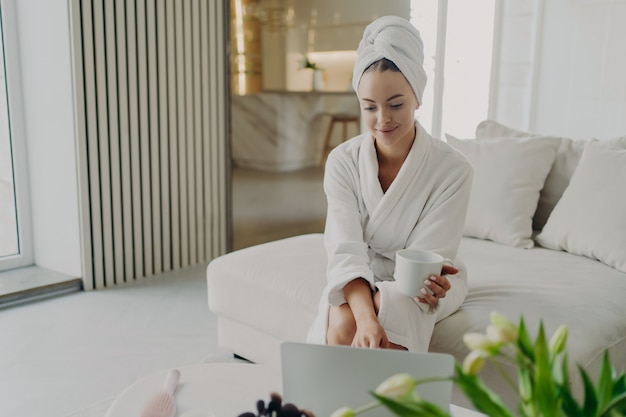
<point>347,251</point>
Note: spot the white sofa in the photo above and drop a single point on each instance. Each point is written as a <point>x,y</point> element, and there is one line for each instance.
<point>267,294</point>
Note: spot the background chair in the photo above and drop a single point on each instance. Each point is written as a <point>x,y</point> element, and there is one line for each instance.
<point>345,119</point>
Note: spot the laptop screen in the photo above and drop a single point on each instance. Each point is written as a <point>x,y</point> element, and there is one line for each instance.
<point>323,378</point>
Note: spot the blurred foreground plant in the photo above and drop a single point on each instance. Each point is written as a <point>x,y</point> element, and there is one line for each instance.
<point>543,384</point>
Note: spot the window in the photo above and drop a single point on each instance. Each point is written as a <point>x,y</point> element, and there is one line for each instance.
<point>14,218</point>
<point>458,41</point>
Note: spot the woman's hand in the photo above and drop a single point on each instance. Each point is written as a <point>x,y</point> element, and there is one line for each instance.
<point>438,285</point>
<point>370,334</point>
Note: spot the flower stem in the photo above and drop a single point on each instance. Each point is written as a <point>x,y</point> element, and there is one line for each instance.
<point>366,407</point>
<point>431,379</point>
<point>505,376</point>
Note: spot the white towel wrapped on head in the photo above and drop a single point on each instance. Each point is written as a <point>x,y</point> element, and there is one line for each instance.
<point>396,39</point>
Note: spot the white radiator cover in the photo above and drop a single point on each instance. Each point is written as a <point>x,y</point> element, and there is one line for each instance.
<point>151,94</point>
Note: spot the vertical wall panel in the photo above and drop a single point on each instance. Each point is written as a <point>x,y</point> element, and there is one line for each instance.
<point>221,209</point>
<point>78,23</point>
<point>102,153</point>
<point>162,58</point>
<point>151,97</point>
<point>144,136</point>
<point>189,139</point>
<point>155,160</point>
<point>205,116</point>
<point>124,139</point>
<point>114,143</point>
<point>198,138</point>
<point>173,134</point>
<point>133,116</point>
<point>214,78</point>
<point>182,136</point>
<point>94,227</point>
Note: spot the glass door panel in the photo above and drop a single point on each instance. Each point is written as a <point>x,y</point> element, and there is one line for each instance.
<point>15,250</point>
<point>9,242</point>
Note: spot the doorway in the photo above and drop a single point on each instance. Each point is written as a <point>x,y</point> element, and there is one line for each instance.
<point>276,176</point>
<point>291,69</point>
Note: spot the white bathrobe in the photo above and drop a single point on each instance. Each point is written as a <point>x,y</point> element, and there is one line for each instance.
<point>424,208</point>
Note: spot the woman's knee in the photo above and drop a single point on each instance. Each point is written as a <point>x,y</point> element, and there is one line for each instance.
<point>341,326</point>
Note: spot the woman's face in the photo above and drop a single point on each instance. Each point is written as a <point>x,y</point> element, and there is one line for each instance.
<point>388,105</point>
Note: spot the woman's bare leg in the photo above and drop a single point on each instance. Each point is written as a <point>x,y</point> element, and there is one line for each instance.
<point>342,325</point>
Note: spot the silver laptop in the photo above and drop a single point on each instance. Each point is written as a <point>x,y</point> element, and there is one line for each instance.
<point>323,378</point>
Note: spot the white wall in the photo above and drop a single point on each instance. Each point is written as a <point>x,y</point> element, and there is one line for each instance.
<point>44,40</point>
<point>581,89</point>
<point>514,62</point>
<point>560,67</point>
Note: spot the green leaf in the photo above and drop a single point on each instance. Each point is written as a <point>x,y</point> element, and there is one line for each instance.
<point>524,343</point>
<point>569,404</point>
<point>544,390</point>
<point>565,371</point>
<point>590,405</point>
<point>524,384</point>
<point>605,382</point>
<point>557,371</point>
<point>616,406</point>
<point>619,385</point>
<point>485,400</point>
<point>527,406</point>
<point>410,408</point>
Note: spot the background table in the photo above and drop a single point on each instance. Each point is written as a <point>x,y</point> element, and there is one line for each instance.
<point>222,390</point>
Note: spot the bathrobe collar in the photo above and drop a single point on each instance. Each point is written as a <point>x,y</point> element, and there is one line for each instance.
<point>381,204</point>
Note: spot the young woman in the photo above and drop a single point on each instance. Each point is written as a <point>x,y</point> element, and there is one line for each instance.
<point>391,188</point>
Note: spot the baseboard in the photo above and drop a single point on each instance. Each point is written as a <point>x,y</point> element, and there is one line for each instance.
<point>25,285</point>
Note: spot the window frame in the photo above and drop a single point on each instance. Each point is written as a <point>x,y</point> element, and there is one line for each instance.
<point>17,134</point>
<point>433,113</point>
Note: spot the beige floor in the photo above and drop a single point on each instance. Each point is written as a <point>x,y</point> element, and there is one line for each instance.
<point>269,206</point>
<point>69,353</point>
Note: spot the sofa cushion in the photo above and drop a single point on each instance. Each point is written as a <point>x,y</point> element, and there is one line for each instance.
<point>509,173</point>
<point>540,284</point>
<point>590,218</point>
<point>565,162</point>
<point>274,287</point>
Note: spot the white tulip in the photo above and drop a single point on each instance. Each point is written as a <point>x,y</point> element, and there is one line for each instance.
<point>343,412</point>
<point>397,386</point>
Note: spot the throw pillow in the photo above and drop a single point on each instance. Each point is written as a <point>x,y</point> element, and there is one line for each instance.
<point>508,175</point>
<point>493,129</point>
<point>565,162</point>
<point>590,218</point>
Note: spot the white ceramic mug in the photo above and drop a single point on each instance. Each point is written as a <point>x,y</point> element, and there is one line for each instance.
<point>413,267</point>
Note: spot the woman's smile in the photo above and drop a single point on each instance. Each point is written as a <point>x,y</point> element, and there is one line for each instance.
<point>387,129</point>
